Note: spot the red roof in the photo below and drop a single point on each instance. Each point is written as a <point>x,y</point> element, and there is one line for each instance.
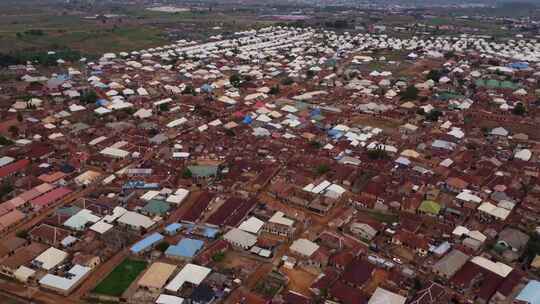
<point>50,197</point>
<point>14,167</point>
<point>358,272</point>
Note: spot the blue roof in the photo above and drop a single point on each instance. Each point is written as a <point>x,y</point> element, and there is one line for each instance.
<point>531,293</point>
<point>247,119</point>
<point>210,232</point>
<point>185,248</point>
<point>174,227</point>
<point>146,242</point>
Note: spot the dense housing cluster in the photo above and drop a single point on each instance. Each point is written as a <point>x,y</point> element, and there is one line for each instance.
<point>279,165</point>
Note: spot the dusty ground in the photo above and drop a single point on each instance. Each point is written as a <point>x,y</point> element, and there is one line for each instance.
<point>299,280</point>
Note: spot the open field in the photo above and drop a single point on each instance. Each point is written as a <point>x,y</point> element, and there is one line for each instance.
<point>120,278</point>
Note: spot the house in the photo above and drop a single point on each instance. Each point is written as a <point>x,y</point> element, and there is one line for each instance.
<point>383,296</point>
<point>186,249</point>
<point>450,264</point>
<point>240,238</point>
<point>280,225</point>
<point>433,293</point>
<point>50,258</point>
<point>203,294</point>
<point>358,273</point>
<point>67,283</point>
<point>413,241</point>
<point>363,231</point>
<point>512,239</point>
<point>22,256</point>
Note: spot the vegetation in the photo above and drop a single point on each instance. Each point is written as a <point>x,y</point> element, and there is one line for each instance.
<point>434,75</point>
<point>120,278</point>
<point>322,169</point>
<point>162,246</point>
<point>410,93</point>
<point>218,257</point>
<point>274,90</point>
<point>433,115</point>
<point>164,107</point>
<point>287,81</point>
<point>23,234</point>
<point>189,90</point>
<point>519,109</point>
<point>187,173</point>
<point>89,97</point>
<point>5,141</point>
<point>378,153</point>
<point>235,80</point>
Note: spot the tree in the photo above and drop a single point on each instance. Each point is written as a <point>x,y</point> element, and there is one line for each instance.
<point>22,234</point>
<point>89,97</point>
<point>322,169</point>
<point>287,81</point>
<point>235,80</point>
<point>187,173</point>
<point>162,246</point>
<point>519,109</point>
<point>410,93</point>
<point>433,115</point>
<point>218,257</point>
<point>377,153</point>
<point>164,107</point>
<point>434,75</point>
<point>274,90</point>
<point>14,130</point>
<point>4,141</point>
<point>189,90</point>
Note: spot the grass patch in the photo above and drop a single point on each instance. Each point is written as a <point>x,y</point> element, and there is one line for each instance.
<point>120,278</point>
<point>381,216</point>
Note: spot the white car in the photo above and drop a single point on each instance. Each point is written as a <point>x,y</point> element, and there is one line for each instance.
<point>397,260</point>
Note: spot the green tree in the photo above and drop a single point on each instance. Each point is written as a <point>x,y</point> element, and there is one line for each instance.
<point>434,75</point>
<point>187,173</point>
<point>162,246</point>
<point>164,107</point>
<point>14,130</point>
<point>218,257</point>
<point>235,80</point>
<point>287,81</point>
<point>89,97</point>
<point>433,115</point>
<point>519,109</point>
<point>322,169</point>
<point>274,90</point>
<point>410,93</point>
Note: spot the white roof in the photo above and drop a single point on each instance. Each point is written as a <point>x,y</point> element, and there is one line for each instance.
<point>96,141</point>
<point>279,218</point>
<point>252,225</point>
<point>498,212</point>
<point>50,258</point>
<point>167,299</point>
<point>304,247</point>
<point>191,273</point>
<point>467,196</point>
<point>76,273</point>
<point>178,197</point>
<point>496,267</point>
<point>23,273</point>
<point>524,154</point>
<point>237,236</point>
<point>114,152</point>
<point>6,160</point>
<point>383,296</point>
<point>101,227</point>
<point>135,219</point>
<point>177,122</point>
<point>149,195</point>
